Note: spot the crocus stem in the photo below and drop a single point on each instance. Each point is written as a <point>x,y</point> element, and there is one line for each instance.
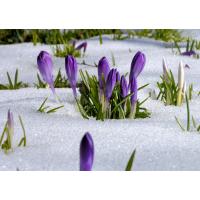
<point>74,91</point>
<point>133,111</point>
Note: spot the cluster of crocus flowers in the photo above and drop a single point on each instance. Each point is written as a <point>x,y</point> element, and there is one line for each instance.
<point>108,78</point>
<point>86,152</point>
<point>45,66</point>
<point>171,88</point>
<point>103,96</point>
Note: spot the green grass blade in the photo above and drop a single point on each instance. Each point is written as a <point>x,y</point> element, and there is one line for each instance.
<point>140,88</point>
<point>10,81</point>
<point>54,109</point>
<point>130,162</point>
<point>188,113</point>
<point>3,133</point>
<point>24,132</point>
<point>41,107</point>
<point>178,122</point>
<point>16,78</point>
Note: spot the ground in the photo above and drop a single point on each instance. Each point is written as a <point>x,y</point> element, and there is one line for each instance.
<point>53,139</point>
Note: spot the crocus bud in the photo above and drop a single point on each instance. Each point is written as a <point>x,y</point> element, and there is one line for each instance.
<point>118,76</point>
<point>10,126</point>
<point>103,70</point>
<point>86,153</point>
<point>137,65</point>
<point>123,87</point>
<point>110,83</point>
<point>133,89</point>
<point>165,70</point>
<point>82,45</point>
<point>45,66</point>
<point>71,71</point>
<point>181,80</point>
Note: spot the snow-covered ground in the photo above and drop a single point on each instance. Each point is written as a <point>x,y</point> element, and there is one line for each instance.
<point>53,139</point>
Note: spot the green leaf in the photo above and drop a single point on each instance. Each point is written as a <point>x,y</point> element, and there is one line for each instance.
<point>23,140</point>
<point>41,107</point>
<point>188,113</point>
<point>130,162</point>
<point>177,120</point>
<point>10,82</point>
<point>3,133</point>
<point>140,88</point>
<point>82,111</point>
<point>16,77</point>
<point>54,109</point>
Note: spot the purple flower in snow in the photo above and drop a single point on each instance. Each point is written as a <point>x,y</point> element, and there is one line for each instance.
<point>123,87</point>
<point>118,76</point>
<point>86,153</point>
<point>188,53</point>
<point>45,66</point>
<point>103,70</point>
<point>71,71</point>
<point>133,89</point>
<point>110,83</point>
<point>82,45</point>
<point>137,65</point>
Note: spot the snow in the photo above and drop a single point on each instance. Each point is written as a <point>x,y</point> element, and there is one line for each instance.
<point>53,139</point>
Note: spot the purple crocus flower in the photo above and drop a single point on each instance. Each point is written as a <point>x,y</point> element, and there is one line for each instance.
<point>118,76</point>
<point>45,66</point>
<point>123,87</point>
<point>137,65</point>
<point>82,45</point>
<point>103,70</point>
<point>71,71</point>
<point>133,89</point>
<point>110,83</point>
<point>86,152</point>
<point>188,53</point>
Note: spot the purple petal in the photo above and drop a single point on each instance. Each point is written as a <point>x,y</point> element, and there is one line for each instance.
<point>133,89</point>
<point>137,65</point>
<point>45,66</point>
<point>82,45</point>
<point>86,153</point>
<point>103,70</point>
<point>118,76</point>
<point>110,83</point>
<point>123,87</point>
<point>71,71</point>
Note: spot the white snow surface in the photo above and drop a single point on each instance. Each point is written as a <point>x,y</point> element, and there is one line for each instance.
<point>53,139</point>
